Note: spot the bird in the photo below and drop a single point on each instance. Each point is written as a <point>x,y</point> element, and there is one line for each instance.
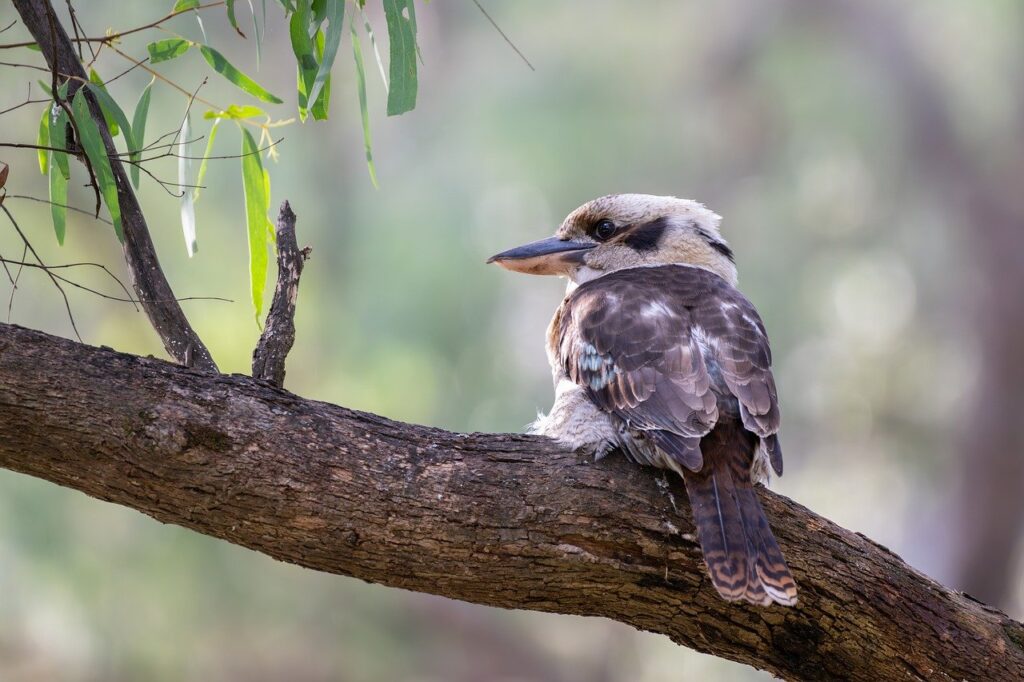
<point>655,352</point>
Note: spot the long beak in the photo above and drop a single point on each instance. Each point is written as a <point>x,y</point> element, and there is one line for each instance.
<point>551,256</point>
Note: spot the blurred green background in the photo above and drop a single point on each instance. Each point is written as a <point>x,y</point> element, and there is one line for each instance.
<point>866,157</point>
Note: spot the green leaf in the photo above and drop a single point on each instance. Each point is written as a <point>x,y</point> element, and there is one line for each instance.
<point>188,209</point>
<point>335,13</point>
<point>258,31</point>
<point>361,82</point>
<point>182,5</point>
<point>236,112</point>
<point>58,138</point>
<point>43,140</point>
<point>305,57</point>
<point>167,49</point>
<point>376,52</point>
<point>58,201</point>
<point>222,66</point>
<point>139,130</point>
<point>256,208</point>
<point>231,17</point>
<point>319,8</point>
<point>206,157</point>
<point>320,104</point>
<point>95,80</point>
<point>412,20</point>
<point>402,50</point>
<point>95,150</point>
<point>113,114</point>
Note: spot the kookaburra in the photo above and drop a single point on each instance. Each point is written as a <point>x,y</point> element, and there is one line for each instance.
<point>655,352</point>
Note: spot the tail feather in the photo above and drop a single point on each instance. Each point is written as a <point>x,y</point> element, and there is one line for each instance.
<point>742,556</point>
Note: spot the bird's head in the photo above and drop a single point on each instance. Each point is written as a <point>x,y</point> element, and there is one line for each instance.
<point>621,231</point>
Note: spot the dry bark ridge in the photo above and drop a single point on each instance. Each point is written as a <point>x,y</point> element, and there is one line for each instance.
<point>279,333</point>
<point>497,519</point>
<point>148,280</point>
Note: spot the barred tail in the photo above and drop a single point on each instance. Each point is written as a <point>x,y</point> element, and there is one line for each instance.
<point>742,556</point>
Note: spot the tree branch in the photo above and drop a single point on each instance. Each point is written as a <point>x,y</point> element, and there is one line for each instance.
<point>497,519</point>
<point>279,333</point>
<point>151,286</point>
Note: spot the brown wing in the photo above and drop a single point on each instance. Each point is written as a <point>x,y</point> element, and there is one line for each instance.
<point>636,338</point>
<point>738,341</point>
<point>630,346</point>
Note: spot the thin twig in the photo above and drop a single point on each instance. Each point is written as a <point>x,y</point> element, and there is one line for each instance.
<point>54,203</point>
<point>78,36</point>
<point>10,277</point>
<point>14,282</point>
<point>43,147</point>
<point>128,299</point>
<point>53,278</point>
<point>200,158</point>
<point>25,104</point>
<point>19,65</point>
<point>24,264</point>
<point>502,33</point>
<point>115,36</point>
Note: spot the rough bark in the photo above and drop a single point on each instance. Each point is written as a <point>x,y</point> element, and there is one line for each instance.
<point>498,519</point>
<point>148,279</point>
<point>278,335</point>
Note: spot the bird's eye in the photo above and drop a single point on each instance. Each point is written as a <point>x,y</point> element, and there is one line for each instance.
<point>603,230</point>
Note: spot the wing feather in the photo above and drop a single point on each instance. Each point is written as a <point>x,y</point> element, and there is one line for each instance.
<point>640,340</point>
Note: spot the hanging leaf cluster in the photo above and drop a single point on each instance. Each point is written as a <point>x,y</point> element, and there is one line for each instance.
<point>315,29</point>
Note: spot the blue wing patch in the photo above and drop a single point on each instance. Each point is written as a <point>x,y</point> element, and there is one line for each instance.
<point>599,369</point>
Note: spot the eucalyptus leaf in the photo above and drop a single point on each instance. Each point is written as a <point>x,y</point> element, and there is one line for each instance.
<point>92,144</point>
<point>304,51</point>
<point>113,113</point>
<point>206,158</point>
<point>139,130</point>
<point>167,49</point>
<point>43,140</point>
<point>321,103</point>
<point>402,52</point>
<point>225,68</point>
<point>58,201</point>
<point>58,139</point>
<point>256,208</point>
<point>412,20</point>
<point>97,83</point>
<point>335,13</point>
<point>376,52</point>
<point>258,31</point>
<point>231,17</point>
<point>361,83</point>
<point>182,5</point>
<point>188,209</point>
<point>236,112</point>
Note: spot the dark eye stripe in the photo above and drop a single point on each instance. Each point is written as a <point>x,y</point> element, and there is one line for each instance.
<point>719,246</point>
<point>647,236</point>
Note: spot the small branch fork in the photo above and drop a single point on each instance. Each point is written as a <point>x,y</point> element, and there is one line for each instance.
<point>279,333</point>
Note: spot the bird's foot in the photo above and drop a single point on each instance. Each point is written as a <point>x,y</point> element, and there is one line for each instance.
<point>594,452</point>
